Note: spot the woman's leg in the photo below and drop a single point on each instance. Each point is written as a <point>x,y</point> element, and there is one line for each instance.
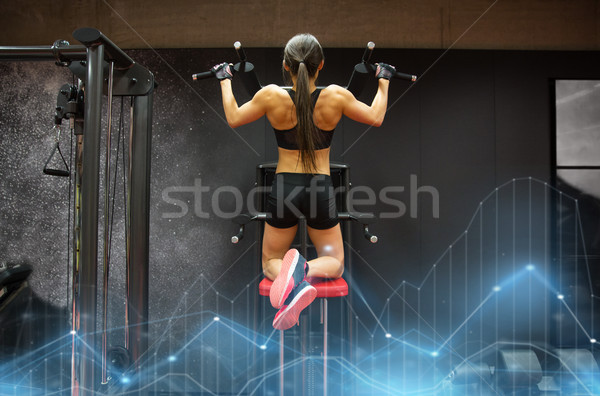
<point>330,251</point>
<point>276,243</point>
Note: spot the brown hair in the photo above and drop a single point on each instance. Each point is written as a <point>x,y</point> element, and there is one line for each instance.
<point>303,55</point>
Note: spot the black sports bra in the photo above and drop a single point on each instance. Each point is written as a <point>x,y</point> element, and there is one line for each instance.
<point>286,139</point>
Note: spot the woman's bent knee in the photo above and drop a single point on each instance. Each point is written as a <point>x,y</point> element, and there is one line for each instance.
<point>271,268</point>
<point>340,272</point>
<point>340,269</point>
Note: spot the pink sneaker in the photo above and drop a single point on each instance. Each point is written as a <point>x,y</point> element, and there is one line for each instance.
<point>298,299</point>
<point>293,271</point>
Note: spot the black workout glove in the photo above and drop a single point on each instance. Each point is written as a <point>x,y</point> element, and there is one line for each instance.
<point>385,71</point>
<point>222,71</point>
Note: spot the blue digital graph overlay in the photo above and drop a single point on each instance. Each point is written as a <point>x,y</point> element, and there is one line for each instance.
<point>517,282</point>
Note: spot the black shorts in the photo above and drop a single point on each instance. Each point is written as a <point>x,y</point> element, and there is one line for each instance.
<point>294,195</point>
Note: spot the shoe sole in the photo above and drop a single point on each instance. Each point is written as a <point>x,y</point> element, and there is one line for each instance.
<point>288,317</point>
<point>283,284</point>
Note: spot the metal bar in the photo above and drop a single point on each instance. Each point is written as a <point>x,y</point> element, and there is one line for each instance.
<point>358,79</point>
<point>348,262</point>
<point>303,237</point>
<point>127,227</point>
<point>91,37</point>
<point>281,363</point>
<point>138,265</point>
<point>258,230</point>
<point>76,264</point>
<point>107,230</point>
<point>89,217</point>
<point>576,167</point>
<point>324,346</point>
<point>302,230</point>
<point>43,53</point>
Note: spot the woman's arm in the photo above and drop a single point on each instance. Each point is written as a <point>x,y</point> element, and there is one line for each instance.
<point>361,112</point>
<point>374,114</point>
<point>249,111</point>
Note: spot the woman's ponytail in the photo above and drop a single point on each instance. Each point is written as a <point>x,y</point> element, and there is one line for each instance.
<point>305,128</point>
<point>303,55</point>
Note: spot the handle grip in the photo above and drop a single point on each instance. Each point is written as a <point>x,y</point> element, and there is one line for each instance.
<point>56,172</point>
<point>368,236</point>
<point>399,75</point>
<point>368,52</point>
<point>203,75</point>
<point>404,76</point>
<point>240,51</point>
<point>239,236</point>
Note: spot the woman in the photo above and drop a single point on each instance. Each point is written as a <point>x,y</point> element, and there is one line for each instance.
<point>304,119</point>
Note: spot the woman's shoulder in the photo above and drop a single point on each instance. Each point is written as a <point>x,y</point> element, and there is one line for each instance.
<point>271,93</point>
<point>334,90</point>
<point>335,95</point>
<point>273,89</point>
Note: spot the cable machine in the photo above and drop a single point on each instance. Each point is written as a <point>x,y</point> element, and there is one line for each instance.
<point>101,66</point>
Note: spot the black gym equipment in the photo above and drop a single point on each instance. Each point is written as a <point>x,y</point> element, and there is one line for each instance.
<point>12,277</point>
<point>578,372</point>
<point>91,63</point>
<point>526,369</point>
<point>69,106</point>
<point>355,85</point>
<point>357,81</point>
<point>57,172</point>
<point>517,370</point>
<point>340,176</point>
<point>264,178</point>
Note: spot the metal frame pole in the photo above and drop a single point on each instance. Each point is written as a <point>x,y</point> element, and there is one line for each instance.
<point>348,263</point>
<point>89,217</point>
<point>325,346</point>
<point>138,263</point>
<point>281,362</point>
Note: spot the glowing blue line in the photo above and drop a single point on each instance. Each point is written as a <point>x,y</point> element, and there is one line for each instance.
<point>260,275</point>
<point>369,265</point>
<point>545,282</point>
<point>269,373</point>
<point>476,310</point>
<point>587,264</point>
<point>270,336</point>
<point>211,323</point>
<point>417,348</point>
<point>26,357</point>
<point>358,318</point>
<point>241,335</point>
<point>575,318</point>
<point>165,376</point>
<point>33,364</point>
<point>168,328</point>
<point>357,291</point>
<point>355,370</point>
<point>483,201</point>
<point>421,318</point>
<point>401,339</point>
